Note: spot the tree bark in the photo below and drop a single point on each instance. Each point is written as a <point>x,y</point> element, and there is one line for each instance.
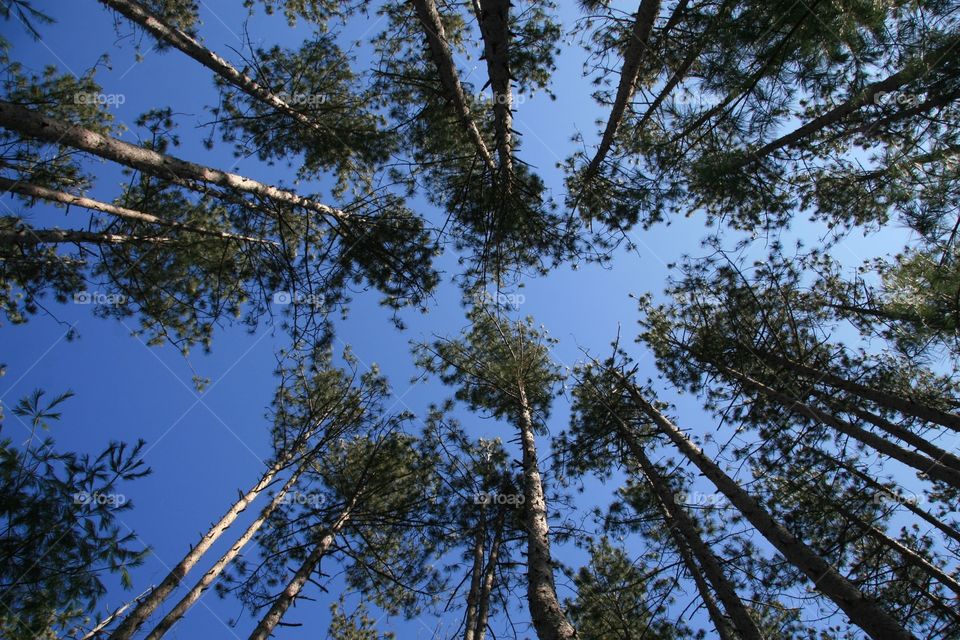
<point>476,575</point>
<point>494,22</point>
<point>921,463</point>
<point>34,125</point>
<point>632,58</point>
<point>151,602</point>
<point>269,621</point>
<point>862,611</point>
<point>687,538</point>
<point>181,608</point>
<point>489,576</point>
<point>73,236</point>
<point>449,78</point>
<point>137,13</point>
<point>36,191</point>
<point>548,617</point>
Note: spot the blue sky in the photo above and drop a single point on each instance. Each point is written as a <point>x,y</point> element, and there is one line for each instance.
<point>202,447</point>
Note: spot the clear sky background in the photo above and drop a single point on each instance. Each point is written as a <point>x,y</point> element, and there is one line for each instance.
<point>203,447</point>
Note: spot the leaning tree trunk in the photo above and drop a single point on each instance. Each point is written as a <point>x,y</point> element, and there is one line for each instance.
<point>904,405</point>
<point>35,125</point>
<point>163,32</point>
<point>861,610</point>
<point>545,611</point>
<point>181,608</point>
<point>36,191</point>
<point>632,59</point>
<point>442,58</point>
<point>272,618</point>
<point>921,463</point>
<point>686,536</point>
<point>28,236</point>
<point>135,619</point>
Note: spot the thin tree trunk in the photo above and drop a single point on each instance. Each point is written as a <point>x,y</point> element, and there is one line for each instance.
<point>36,191</point>
<point>443,59</point>
<point>103,624</point>
<point>924,515</point>
<point>921,463</point>
<point>181,608</point>
<point>489,575</point>
<point>73,236</point>
<point>145,609</point>
<point>688,538</point>
<point>862,611</point>
<point>476,575</point>
<point>494,22</point>
<point>632,58</point>
<point>137,13</point>
<point>269,621</point>
<point>912,71</point>
<point>34,125</point>
<point>903,405</point>
<point>916,441</point>
<point>545,611</point>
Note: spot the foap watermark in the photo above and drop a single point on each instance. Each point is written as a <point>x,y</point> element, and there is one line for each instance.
<point>100,99</point>
<point>99,499</point>
<point>508,300</point>
<point>304,99</point>
<point>499,98</point>
<point>99,298</point>
<point>514,499</point>
<point>283,298</point>
<point>905,498</point>
<point>896,98</point>
<point>303,499</point>
<point>698,499</point>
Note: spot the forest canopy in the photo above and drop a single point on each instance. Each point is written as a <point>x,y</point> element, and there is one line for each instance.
<point>480,319</point>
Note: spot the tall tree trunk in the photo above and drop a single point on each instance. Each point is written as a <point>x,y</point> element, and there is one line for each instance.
<point>545,611</point>
<point>269,621</point>
<point>34,125</point>
<point>494,22</point>
<point>862,611</point>
<point>913,70</point>
<point>632,58</point>
<point>181,608</point>
<point>150,603</point>
<point>489,576</point>
<point>921,463</point>
<point>905,406</point>
<point>476,576</point>
<point>36,191</point>
<point>442,58</point>
<point>167,34</point>
<point>689,542</point>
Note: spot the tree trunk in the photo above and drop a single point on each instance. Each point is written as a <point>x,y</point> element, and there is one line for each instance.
<point>150,603</point>
<point>476,575</point>
<point>214,572</point>
<point>687,537</point>
<point>545,611</point>
<point>443,59</point>
<point>921,463</point>
<point>137,13</point>
<point>269,621</point>
<point>72,236</point>
<point>36,191</point>
<point>489,576</point>
<point>633,56</point>
<point>903,405</point>
<point>494,22</point>
<point>34,125</point>
<point>862,611</point>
